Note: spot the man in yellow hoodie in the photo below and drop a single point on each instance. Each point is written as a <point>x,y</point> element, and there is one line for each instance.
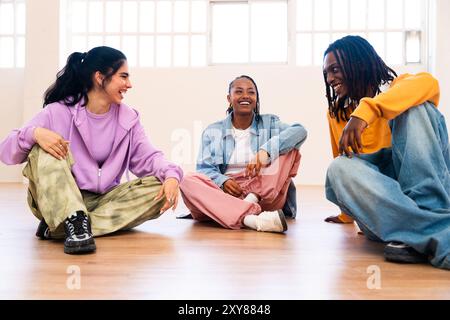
<point>393,173</point>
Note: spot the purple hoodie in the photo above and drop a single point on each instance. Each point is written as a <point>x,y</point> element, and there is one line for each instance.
<point>131,151</point>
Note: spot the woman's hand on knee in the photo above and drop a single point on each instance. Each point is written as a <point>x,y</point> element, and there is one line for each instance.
<point>232,187</point>
<point>51,142</point>
<point>170,189</point>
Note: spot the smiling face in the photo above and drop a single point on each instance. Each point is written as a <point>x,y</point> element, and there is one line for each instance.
<point>334,75</point>
<point>118,85</point>
<point>243,97</point>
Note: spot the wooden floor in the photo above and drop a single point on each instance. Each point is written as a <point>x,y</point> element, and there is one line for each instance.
<point>171,258</point>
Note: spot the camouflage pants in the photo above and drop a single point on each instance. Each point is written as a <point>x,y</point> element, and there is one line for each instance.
<point>53,195</point>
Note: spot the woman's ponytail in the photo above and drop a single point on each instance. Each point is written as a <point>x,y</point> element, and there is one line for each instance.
<point>68,86</point>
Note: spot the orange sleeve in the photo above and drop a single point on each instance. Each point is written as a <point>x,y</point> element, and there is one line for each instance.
<point>333,138</point>
<point>406,91</point>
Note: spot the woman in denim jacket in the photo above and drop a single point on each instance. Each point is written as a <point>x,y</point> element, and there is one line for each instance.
<point>245,166</point>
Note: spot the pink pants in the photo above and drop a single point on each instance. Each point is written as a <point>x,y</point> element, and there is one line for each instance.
<point>207,201</point>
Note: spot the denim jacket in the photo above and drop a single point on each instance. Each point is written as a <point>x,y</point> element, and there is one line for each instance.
<point>268,133</point>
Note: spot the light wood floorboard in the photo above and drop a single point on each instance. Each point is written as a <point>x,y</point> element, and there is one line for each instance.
<point>170,258</point>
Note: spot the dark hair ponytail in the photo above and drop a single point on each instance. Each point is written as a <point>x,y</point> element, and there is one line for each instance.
<point>74,81</point>
<point>230,86</point>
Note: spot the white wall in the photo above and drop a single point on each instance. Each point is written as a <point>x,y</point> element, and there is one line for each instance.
<point>11,93</point>
<point>176,104</point>
<point>192,99</point>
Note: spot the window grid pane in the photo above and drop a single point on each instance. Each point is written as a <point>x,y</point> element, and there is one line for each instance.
<point>198,16</point>
<point>321,15</point>
<point>79,10</point>
<point>321,42</point>
<point>339,13</point>
<point>304,15</point>
<point>381,22</point>
<point>147,16</point>
<point>394,47</point>
<point>230,42</point>
<point>95,15</point>
<point>163,51</point>
<point>268,38</point>
<point>304,49</point>
<point>151,33</point>
<point>376,14</point>
<point>129,16</point>
<point>190,23</point>
<point>252,37</point>
<point>413,9</point>
<point>394,16</point>
<point>146,51</point>
<point>412,46</point>
<point>198,51</point>
<point>12,33</point>
<point>181,16</point>
<point>6,52</point>
<point>181,51</point>
<point>358,14</point>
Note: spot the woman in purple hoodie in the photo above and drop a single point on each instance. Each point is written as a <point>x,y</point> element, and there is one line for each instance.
<point>77,149</point>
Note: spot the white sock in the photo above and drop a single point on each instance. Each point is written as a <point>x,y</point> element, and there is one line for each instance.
<point>251,197</point>
<point>73,214</point>
<point>250,221</point>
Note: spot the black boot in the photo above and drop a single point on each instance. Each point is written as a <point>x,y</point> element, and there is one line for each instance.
<point>79,237</point>
<point>400,252</point>
<point>43,231</point>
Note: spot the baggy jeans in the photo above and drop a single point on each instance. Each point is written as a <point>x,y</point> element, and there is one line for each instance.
<point>53,195</point>
<point>401,193</point>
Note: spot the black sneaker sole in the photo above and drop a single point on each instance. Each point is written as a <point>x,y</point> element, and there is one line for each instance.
<point>283,220</point>
<point>393,255</point>
<point>84,248</point>
<point>40,232</point>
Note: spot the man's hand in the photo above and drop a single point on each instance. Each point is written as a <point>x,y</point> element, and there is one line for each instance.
<point>351,137</point>
<point>261,159</point>
<point>170,189</point>
<point>51,142</point>
<point>232,187</point>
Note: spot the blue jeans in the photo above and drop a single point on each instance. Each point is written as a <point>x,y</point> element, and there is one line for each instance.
<point>401,193</point>
<point>290,206</point>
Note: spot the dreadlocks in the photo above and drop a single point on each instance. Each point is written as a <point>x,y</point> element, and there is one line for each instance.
<point>230,108</point>
<point>363,71</point>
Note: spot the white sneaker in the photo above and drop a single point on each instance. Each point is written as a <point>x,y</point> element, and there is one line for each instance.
<point>271,221</point>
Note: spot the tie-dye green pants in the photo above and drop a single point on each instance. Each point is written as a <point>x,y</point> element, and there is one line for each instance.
<point>53,195</point>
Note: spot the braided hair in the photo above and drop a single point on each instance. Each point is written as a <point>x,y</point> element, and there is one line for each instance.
<point>363,70</point>
<point>230,86</point>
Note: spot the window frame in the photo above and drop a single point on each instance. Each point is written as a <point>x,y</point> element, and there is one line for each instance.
<point>424,30</point>
<point>292,33</point>
<point>16,36</point>
<point>66,37</point>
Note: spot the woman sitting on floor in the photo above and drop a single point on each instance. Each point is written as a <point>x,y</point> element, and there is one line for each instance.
<point>246,165</point>
<point>77,149</point>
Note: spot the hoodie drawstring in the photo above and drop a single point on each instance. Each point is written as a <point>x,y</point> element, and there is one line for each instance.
<point>71,127</point>
<point>73,121</point>
<point>127,168</point>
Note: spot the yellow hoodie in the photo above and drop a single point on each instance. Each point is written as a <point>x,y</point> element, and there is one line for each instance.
<point>406,91</point>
